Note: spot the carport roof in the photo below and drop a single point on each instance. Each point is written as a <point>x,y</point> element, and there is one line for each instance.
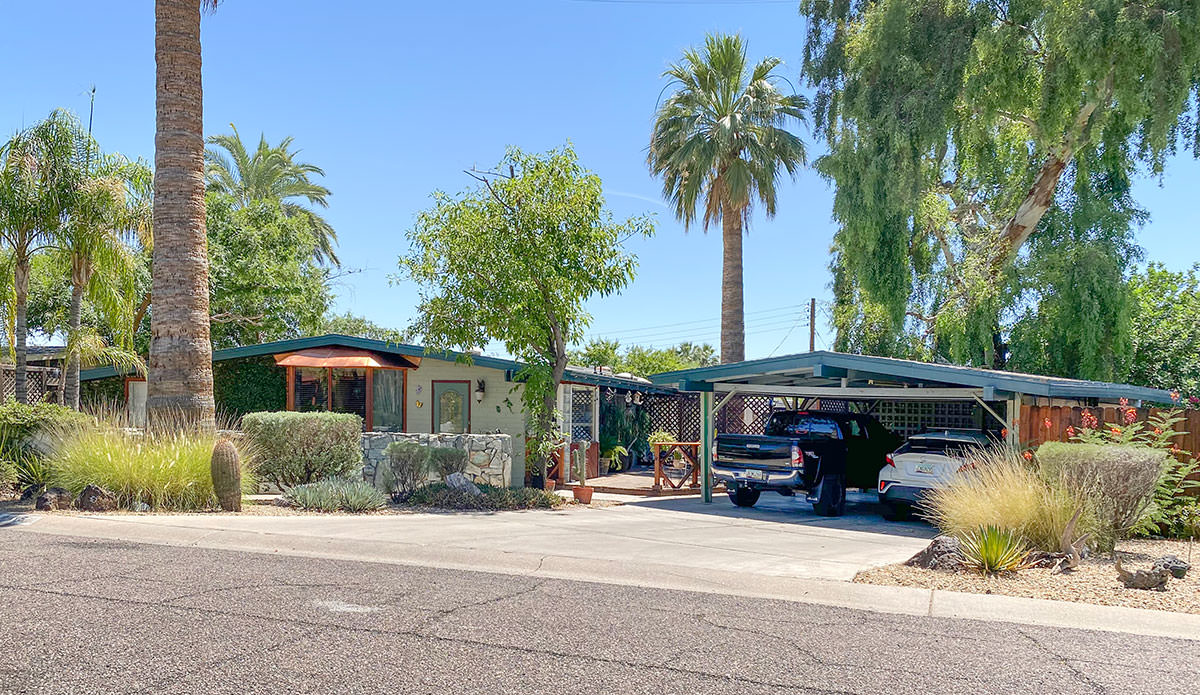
<point>844,375</point>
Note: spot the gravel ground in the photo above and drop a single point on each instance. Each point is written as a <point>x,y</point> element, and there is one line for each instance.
<point>1095,581</point>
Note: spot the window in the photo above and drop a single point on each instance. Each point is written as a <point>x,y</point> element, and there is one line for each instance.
<point>388,399</point>
<point>804,425</point>
<point>312,389</point>
<point>929,445</point>
<point>350,391</point>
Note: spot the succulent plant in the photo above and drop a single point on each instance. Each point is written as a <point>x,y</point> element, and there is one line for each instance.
<point>227,475</point>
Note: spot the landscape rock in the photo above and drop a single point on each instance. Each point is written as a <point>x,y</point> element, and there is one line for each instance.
<point>96,499</point>
<point>53,499</point>
<point>1171,563</point>
<point>943,553</point>
<point>1153,580</point>
<point>458,481</point>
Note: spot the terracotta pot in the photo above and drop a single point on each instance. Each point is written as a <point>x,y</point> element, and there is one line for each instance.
<point>583,494</point>
<point>549,486</point>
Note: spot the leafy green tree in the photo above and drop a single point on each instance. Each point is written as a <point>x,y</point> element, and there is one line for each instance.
<point>265,282</point>
<point>1166,330</point>
<point>358,326</point>
<point>514,260</point>
<point>951,124</point>
<point>40,170</point>
<point>721,138</point>
<point>644,361</point>
<point>271,174</point>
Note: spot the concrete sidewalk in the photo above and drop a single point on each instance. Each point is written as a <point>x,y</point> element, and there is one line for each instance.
<point>671,547</point>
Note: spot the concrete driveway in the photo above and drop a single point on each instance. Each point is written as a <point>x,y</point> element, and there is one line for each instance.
<point>781,537</point>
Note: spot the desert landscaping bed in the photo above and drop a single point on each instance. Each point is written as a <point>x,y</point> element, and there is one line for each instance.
<point>1095,581</point>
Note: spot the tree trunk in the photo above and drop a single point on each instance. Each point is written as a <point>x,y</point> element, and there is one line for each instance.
<point>71,378</point>
<point>180,382</point>
<point>733,318</point>
<point>21,289</point>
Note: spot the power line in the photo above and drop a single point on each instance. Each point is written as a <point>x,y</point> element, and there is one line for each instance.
<point>628,332</point>
<point>699,332</point>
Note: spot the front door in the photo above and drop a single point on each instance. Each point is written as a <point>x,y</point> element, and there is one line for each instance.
<point>451,407</point>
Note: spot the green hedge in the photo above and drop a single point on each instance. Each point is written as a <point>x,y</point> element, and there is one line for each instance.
<point>297,448</point>
<point>18,422</point>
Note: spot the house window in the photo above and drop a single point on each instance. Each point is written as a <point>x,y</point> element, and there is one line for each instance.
<point>388,400</point>
<point>312,389</point>
<point>349,391</point>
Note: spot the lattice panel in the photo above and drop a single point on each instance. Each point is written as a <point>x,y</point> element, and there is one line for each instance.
<point>43,384</point>
<point>910,417</point>
<point>747,414</point>
<point>679,415</point>
<point>582,402</point>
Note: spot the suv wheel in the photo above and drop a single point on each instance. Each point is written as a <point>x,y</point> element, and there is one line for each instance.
<point>831,496</point>
<point>743,496</point>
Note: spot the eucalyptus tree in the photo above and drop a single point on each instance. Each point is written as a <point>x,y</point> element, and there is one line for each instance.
<point>40,170</point>
<point>271,174</point>
<point>720,140</point>
<point>179,382</point>
<point>950,126</point>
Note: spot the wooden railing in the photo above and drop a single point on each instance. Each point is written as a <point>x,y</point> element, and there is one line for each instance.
<point>689,466</point>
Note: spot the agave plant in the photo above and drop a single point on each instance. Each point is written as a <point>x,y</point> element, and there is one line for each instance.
<point>993,550</point>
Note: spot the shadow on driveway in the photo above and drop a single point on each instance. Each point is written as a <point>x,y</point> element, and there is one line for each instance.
<point>862,513</point>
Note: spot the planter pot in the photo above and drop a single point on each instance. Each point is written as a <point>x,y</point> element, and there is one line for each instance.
<point>583,494</point>
<point>605,466</point>
<point>536,482</point>
<point>549,485</point>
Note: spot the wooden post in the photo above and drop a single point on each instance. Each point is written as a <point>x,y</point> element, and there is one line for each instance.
<point>706,445</point>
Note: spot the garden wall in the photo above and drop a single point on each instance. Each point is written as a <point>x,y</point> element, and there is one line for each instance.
<point>489,456</point>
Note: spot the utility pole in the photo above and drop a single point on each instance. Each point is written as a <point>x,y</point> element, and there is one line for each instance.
<point>812,325</point>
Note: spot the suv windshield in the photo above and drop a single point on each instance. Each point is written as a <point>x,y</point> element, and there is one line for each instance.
<point>930,445</point>
<point>804,425</point>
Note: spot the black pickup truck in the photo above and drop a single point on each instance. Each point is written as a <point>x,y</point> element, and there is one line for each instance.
<point>815,452</point>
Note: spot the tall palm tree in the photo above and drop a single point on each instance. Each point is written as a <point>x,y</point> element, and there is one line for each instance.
<point>105,214</point>
<point>271,173</point>
<point>180,382</point>
<point>721,135</point>
<point>39,173</point>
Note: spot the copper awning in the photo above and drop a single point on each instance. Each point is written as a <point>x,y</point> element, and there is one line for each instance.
<point>345,358</point>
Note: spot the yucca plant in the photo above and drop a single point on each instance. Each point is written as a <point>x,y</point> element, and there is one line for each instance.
<point>333,494</point>
<point>993,550</point>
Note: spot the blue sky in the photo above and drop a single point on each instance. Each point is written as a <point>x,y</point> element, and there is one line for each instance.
<point>395,99</point>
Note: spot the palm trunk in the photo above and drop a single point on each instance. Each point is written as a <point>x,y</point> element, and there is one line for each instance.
<point>733,318</point>
<point>21,289</point>
<point>180,375</point>
<point>71,378</point>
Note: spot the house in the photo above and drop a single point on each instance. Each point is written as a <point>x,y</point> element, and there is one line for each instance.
<point>393,387</point>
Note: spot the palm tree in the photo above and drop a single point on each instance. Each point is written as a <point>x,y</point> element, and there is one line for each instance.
<point>721,135</point>
<point>271,173</point>
<point>39,173</point>
<point>105,214</point>
<point>179,382</point>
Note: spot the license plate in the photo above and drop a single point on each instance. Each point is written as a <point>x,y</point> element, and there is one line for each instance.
<point>927,468</point>
<point>755,475</point>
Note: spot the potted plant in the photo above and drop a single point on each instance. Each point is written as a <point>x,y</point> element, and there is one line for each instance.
<point>583,493</point>
<point>614,451</point>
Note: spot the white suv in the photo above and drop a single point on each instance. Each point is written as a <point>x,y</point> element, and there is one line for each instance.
<point>927,460</point>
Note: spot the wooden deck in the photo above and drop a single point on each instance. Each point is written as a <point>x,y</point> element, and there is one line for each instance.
<point>639,481</point>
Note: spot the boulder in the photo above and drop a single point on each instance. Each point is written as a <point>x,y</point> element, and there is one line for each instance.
<point>1178,568</point>
<point>52,499</point>
<point>458,481</point>
<point>943,553</point>
<point>96,499</point>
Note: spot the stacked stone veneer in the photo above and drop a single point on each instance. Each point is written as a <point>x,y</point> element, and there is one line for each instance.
<point>489,456</point>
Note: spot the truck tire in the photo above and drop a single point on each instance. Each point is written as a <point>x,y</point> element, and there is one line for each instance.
<point>743,496</point>
<point>831,496</point>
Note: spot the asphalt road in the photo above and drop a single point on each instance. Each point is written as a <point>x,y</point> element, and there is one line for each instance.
<point>99,616</point>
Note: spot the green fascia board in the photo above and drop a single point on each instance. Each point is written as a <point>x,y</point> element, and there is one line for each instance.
<point>510,367</point>
<point>827,363</point>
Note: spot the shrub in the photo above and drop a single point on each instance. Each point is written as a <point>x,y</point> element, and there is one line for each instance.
<point>405,469</point>
<point>165,469</point>
<point>1119,480</point>
<point>20,422</point>
<point>298,448</point>
<point>442,496</point>
<point>333,494</point>
<point>991,550</point>
<point>446,461</point>
<point>998,488</point>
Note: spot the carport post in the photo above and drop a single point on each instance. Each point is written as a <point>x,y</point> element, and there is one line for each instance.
<point>706,445</point>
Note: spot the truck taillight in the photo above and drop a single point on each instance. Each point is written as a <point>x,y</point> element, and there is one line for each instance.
<point>797,456</point>
<point>890,461</point>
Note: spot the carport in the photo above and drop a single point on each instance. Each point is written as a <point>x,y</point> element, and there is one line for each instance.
<point>842,382</point>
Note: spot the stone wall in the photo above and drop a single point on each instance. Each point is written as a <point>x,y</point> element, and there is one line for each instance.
<point>489,456</point>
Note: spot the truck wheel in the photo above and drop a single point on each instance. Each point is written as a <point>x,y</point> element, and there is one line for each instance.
<point>743,496</point>
<point>831,496</point>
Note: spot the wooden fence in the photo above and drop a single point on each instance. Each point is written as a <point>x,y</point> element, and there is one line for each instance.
<point>1044,423</point>
<point>44,383</point>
